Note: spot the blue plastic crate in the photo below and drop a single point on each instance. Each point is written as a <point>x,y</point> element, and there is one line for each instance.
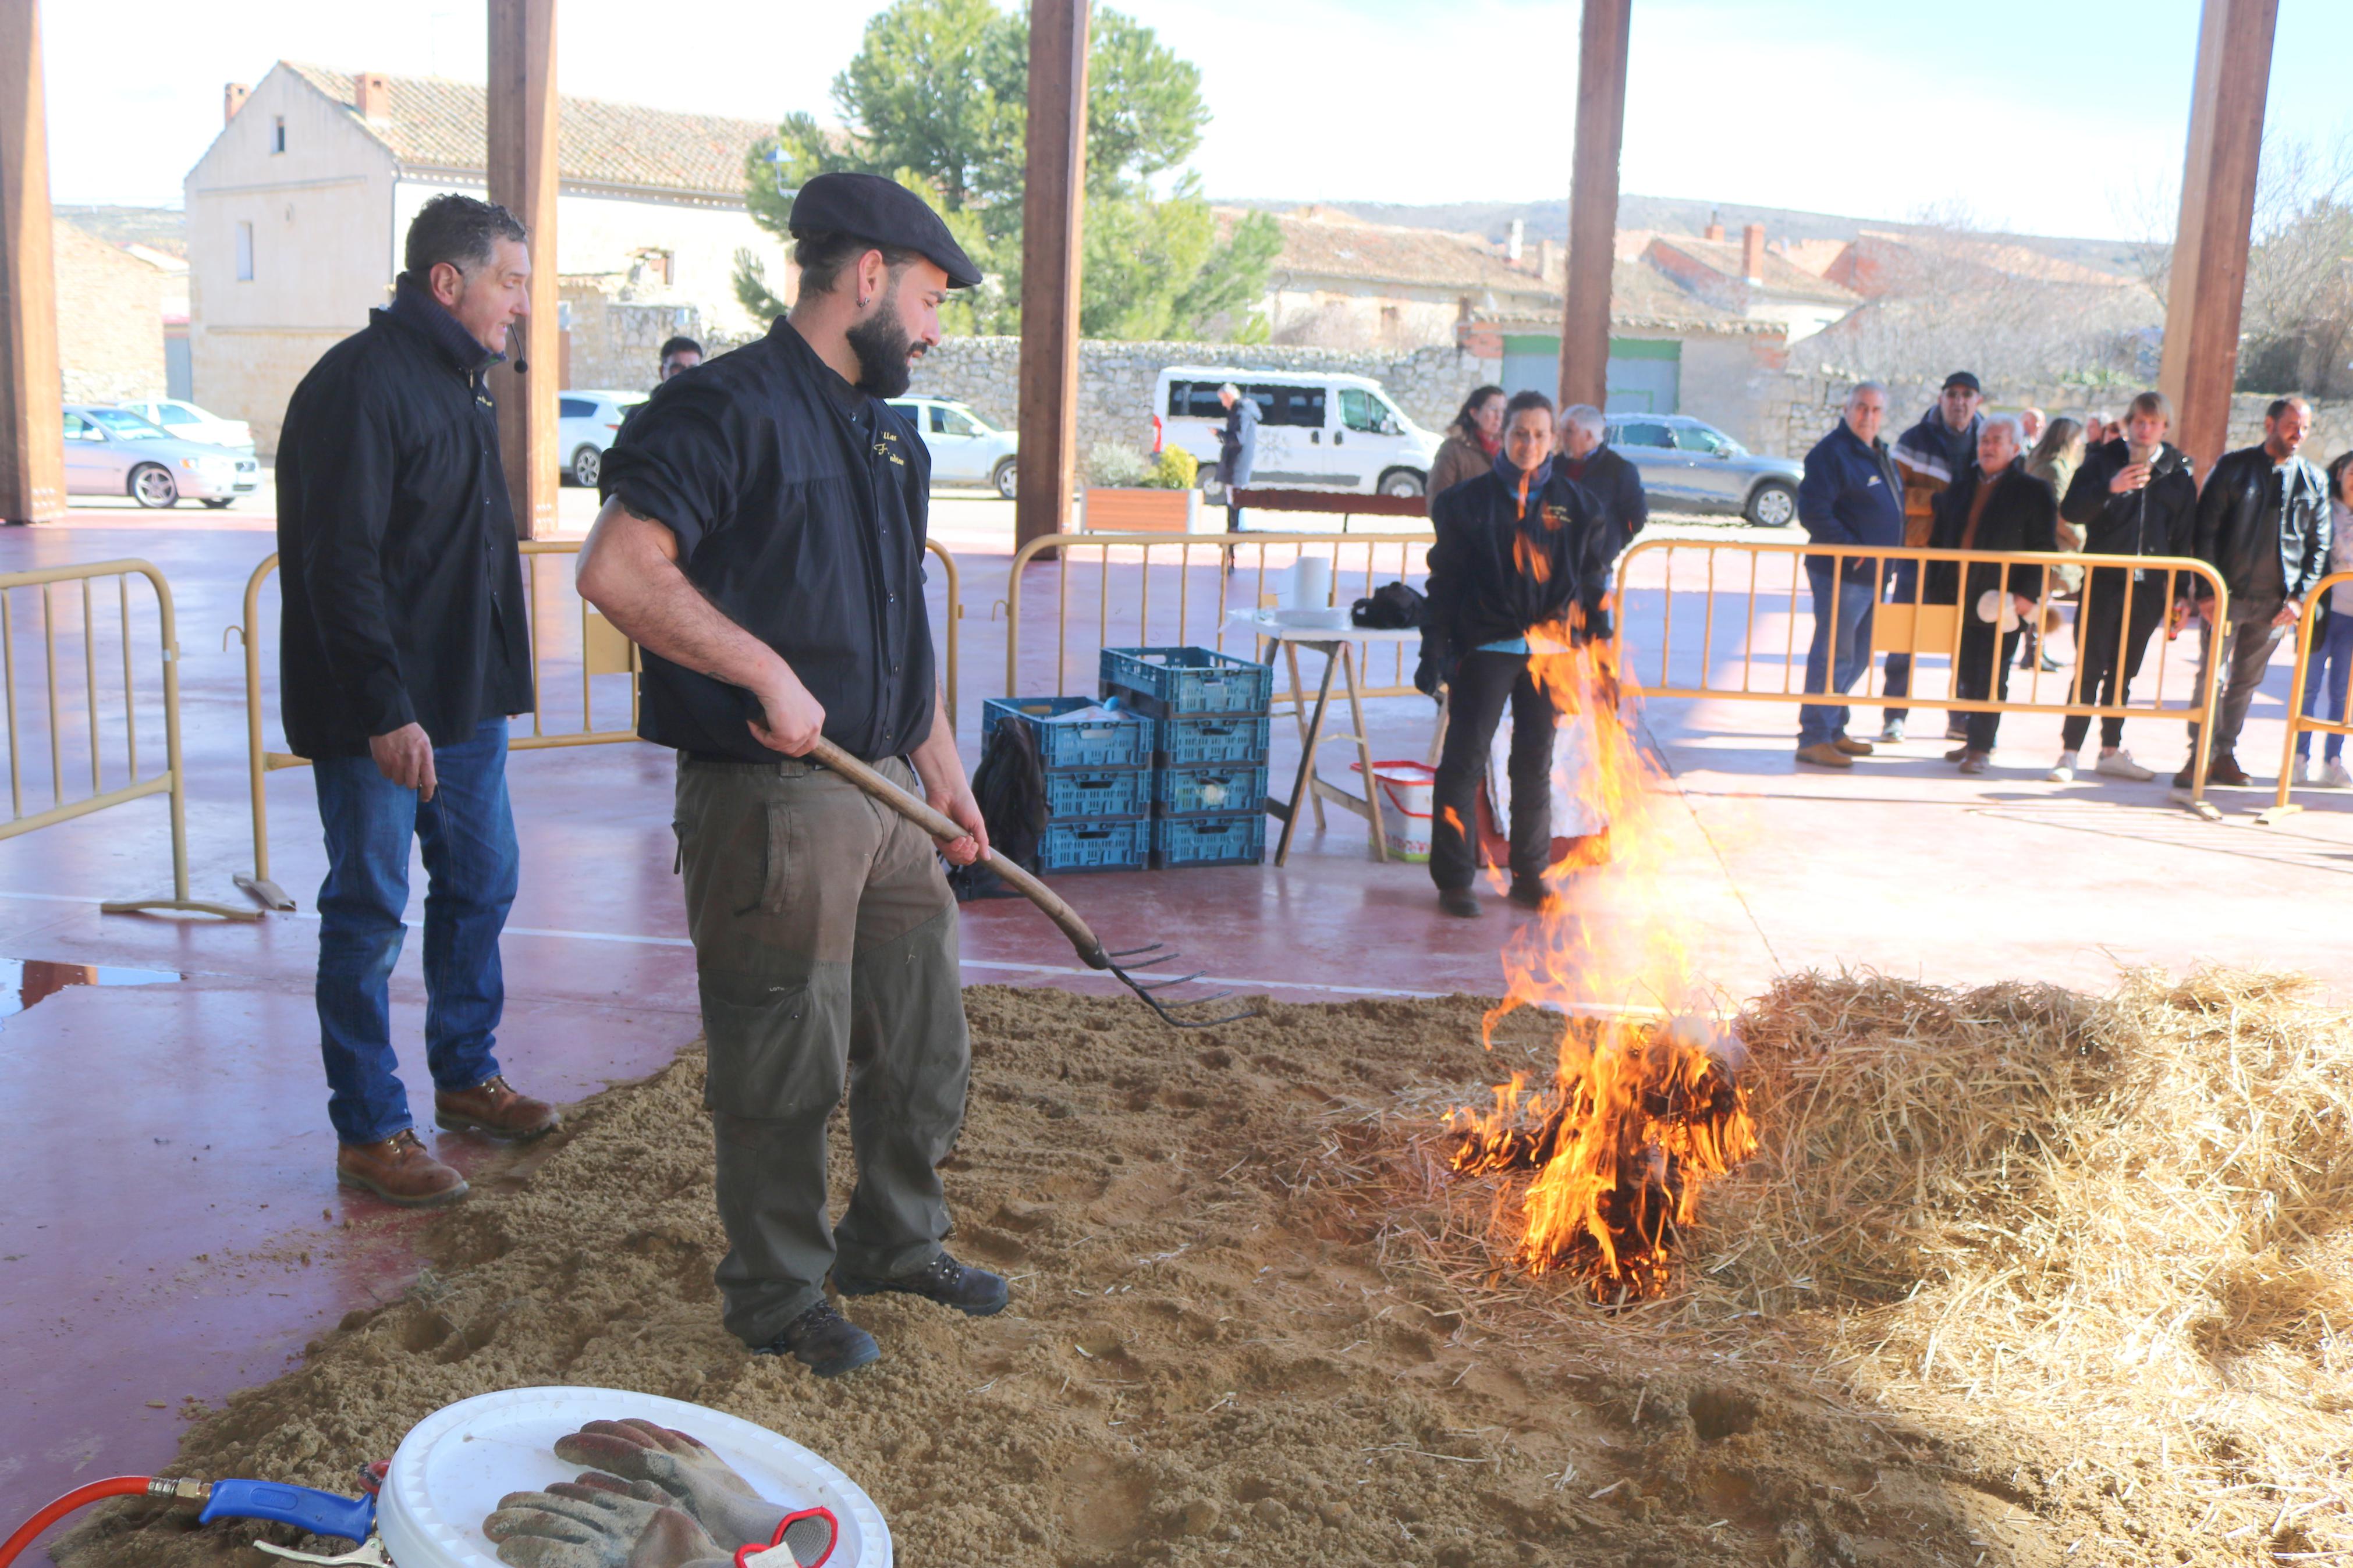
<point>1098,795</point>
<point>1167,681</point>
<point>1219,789</point>
<point>1235,840</point>
<point>1106,741</point>
<point>1211,738</point>
<point>1095,846</point>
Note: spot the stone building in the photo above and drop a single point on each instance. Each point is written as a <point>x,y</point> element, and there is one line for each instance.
<point>1749,278</point>
<point>110,311</point>
<point>297,212</point>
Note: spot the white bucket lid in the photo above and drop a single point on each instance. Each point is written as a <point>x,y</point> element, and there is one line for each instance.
<point>449,1472</point>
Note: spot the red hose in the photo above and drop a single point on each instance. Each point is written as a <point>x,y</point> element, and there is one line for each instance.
<point>80,1497</point>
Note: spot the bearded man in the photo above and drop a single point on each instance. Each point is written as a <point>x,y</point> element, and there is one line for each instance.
<point>762,539</point>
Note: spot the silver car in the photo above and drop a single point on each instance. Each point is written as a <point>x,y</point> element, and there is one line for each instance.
<point>966,448</point>
<point>113,452</point>
<point>1689,465</point>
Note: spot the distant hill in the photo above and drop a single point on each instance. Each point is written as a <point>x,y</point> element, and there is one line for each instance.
<point>1549,220</point>
<point>160,229</point>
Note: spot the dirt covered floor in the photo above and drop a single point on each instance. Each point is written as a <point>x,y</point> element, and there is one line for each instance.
<point>1254,1321</point>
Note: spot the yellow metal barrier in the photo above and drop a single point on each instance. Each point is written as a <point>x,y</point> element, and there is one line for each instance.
<point>2298,721</point>
<point>1910,627</point>
<point>603,651</point>
<point>1173,554</point>
<point>170,782</point>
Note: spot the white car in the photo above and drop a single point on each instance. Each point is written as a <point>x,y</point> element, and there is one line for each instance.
<point>585,424</point>
<point>966,448</point>
<point>186,422</point>
<point>1318,429</point>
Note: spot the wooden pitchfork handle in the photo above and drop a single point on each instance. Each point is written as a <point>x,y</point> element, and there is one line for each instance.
<point>937,824</point>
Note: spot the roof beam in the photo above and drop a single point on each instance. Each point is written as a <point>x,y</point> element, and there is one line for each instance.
<point>1593,202</point>
<point>1053,209</point>
<point>32,395</point>
<point>520,117</point>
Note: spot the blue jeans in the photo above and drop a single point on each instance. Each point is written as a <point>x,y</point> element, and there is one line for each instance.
<point>2324,683</point>
<point>1903,588</point>
<point>1848,617</point>
<point>468,834</point>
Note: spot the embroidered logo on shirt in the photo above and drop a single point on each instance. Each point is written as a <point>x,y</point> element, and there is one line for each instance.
<point>884,448</point>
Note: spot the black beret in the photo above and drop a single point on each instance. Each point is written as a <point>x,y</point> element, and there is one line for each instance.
<point>885,212</point>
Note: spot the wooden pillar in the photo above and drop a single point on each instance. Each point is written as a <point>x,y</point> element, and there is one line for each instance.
<point>32,394</point>
<point>2208,275</point>
<point>1053,206</point>
<point>522,125</point>
<point>1593,202</point>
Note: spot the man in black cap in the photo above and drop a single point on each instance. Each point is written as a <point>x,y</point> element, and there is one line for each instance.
<point>763,541</point>
<point>1930,455</point>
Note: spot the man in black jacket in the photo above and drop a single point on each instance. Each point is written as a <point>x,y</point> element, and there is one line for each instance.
<point>1994,505</point>
<point>2133,496</point>
<point>404,648</point>
<point>1615,483</point>
<point>1516,566</point>
<point>2264,526</point>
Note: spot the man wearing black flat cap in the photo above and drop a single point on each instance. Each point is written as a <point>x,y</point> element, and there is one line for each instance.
<point>762,541</point>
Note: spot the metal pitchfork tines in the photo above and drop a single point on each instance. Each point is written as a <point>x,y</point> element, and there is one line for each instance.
<point>1122,964</point>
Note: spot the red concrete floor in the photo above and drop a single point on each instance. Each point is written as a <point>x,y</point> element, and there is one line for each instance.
<point>197,1241</point>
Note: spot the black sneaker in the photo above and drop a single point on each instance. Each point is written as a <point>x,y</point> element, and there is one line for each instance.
<point>825,1341</point>
<point>1459,901</point>
<point>975,1292</point>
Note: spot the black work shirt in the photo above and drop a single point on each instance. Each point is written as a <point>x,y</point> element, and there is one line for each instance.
<point>800,504</point>
<point>402,584</point>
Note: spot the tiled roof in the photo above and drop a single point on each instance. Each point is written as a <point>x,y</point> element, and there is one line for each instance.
<point>1779,276</point>
<point>1320,242</point>
<point>438,124</point>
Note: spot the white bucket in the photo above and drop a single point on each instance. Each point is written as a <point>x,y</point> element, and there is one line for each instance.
<point>1407,791</point>
<point>1310,587</point>
<point>449,1472</point>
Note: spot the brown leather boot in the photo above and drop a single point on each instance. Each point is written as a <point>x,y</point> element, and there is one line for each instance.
<point>492,1107</point>
<point>399,1171</point>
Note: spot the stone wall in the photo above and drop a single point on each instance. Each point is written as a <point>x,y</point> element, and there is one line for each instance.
<point>1116,379</point>
<point>110,320</point>
<point>612,343</point>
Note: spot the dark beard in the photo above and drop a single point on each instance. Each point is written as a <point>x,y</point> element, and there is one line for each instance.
<point>881,343</point>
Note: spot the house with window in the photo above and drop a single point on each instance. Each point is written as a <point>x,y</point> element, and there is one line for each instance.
<point>297,212</point>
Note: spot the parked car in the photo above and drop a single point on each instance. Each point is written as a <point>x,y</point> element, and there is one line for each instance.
<point>585,424</point>
<point>184,420</point>
<point>1316,430</point>
<point>114,452</point>
<point>966,448</point>
<point>1689,465</point>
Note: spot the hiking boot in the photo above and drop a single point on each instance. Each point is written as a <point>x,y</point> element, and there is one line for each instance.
<point>399,1171</point>
<point>1824,755</point>
<point>1851,747</point>
<point>2119,765</point>
<point>494,1107</point>
<point>2225,770</point>
<point>1459,901</point>
<point>2063,772</point>
<point>1529,895</point>
<point>975,1292</point>
<point>825,1341</point>
<point>1975,762</point>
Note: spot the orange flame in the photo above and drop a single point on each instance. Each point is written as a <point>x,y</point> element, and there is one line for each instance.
<point>1635,1123</point>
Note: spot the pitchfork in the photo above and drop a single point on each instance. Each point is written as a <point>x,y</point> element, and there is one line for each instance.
<point>1122,962</point>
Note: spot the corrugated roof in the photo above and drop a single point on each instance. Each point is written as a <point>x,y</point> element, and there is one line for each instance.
<point>434,123</point>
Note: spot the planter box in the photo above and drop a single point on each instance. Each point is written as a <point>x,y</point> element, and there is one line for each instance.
<point>1123,511</point>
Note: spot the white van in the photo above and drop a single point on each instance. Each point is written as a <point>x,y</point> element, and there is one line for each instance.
<point>1318,429</point>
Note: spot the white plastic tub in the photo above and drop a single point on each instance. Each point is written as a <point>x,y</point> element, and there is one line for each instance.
<point>449,1472</point>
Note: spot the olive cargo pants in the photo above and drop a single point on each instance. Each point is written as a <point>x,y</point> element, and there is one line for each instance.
<point>825,947</point>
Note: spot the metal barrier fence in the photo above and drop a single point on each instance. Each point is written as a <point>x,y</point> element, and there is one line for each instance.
<point>602,650</point>
<point>1191,593</point>
<point>2298,721</point>
<point>170,782</point>
<point>1750,575</point>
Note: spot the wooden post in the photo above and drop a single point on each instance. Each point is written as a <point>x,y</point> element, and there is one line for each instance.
<point>1593,202</point>
<point>32,392</point>
<point>1053,206</point>
<point>2209,274</point>
<point>521,118</point>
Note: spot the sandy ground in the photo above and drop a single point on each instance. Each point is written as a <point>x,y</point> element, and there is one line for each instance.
<point>1213,1353</point>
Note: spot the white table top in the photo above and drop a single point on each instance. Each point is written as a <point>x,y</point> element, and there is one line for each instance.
<point>1265,626</point>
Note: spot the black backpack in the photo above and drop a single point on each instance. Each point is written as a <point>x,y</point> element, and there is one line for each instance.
<point>1011,787</point>
<point>1395,608</point>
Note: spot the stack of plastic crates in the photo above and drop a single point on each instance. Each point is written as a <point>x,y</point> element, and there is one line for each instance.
<point>1208,773</point>
<point>1098,780</point>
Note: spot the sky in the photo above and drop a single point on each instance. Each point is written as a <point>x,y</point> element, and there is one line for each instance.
<point>2027,116</point>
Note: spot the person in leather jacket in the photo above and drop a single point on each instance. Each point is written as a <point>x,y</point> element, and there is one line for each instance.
<point>2264,526</point>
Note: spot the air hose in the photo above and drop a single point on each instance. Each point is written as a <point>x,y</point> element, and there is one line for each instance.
<point>321,1514</point>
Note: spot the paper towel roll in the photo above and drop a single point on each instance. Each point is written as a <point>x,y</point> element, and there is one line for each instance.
<point>1311,583</point>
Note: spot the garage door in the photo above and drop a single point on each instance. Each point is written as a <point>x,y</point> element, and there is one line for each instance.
<point>1645,374</point>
